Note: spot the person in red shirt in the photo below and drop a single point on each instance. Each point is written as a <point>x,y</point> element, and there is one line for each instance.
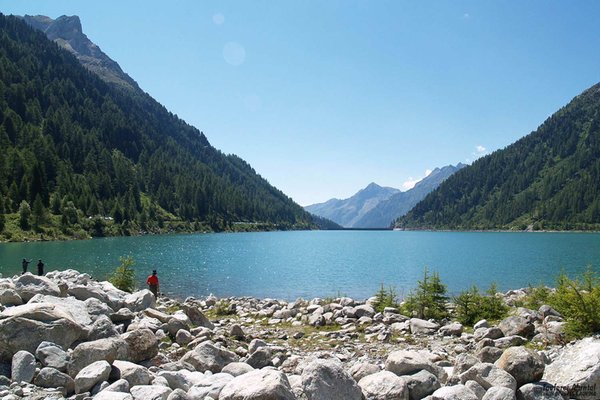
<point>152,282</point>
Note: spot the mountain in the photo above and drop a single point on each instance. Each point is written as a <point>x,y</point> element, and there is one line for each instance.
<point>385,212</point>
<point>549,179</point>
<point>347,212</point>
<point>80,156</point>
<point>66,31</point>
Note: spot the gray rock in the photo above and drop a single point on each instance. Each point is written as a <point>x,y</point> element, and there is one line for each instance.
<point>463,362</point>
<point>208,357</point>
<point>28,285</point>
<point>517,325</point>
<point>408,362</point>
<point>237,332</point>
<point>538,391</point>
<point>182,379</point>
<point>499,393</point>
<point>134,374</point>
<point>422,327</point>
<point>110,395</point>
<point>150,392</point>
<point>139,301</point>
<point>76,308</point>
<point>97,308</point>
<point>51,355</point>
<point>10,297</point>
<point>210,385</point>
<point>488,333</point>
<point>102,328</point>
<point>94,373</point>
<point>159,315</point>
<point>476,388</point>
<point>174,325</point>
<point>123,315</point>
<point>383,385</point>
<point>260,358</point>
<point>524,364</point>
<point>508,341</point>
<point>183,337</point>
<point>456,392</point>
<point>364,311</point>
<point>327,380</point>
<point>255,344</point>
<point>25,327</point>
<point>421,384</point>
<point>53,378</point>
<point>178,394</point>
<point>99,350</point>
<point>577,365</point>
<point>196,316</point>
<point>143,345</point>
<point>263,384</point>
<point>23,366</point>
<point>237,368</point>
<point>120,385</point>
<point>362,369</point>
<point>84,292</point>
<point>453,329</point>
<point>488,375</point>
<point>489,354</point>
<point>481,324</point>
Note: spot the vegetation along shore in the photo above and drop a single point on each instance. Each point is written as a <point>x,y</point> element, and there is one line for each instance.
<point>66,335</point>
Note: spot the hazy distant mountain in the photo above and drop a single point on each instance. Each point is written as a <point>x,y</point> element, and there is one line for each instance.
<point>347,212</point>
<point>67,32</point>
<point>383,215</point>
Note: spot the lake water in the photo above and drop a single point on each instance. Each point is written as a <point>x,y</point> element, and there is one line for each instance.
<point>320,263</point>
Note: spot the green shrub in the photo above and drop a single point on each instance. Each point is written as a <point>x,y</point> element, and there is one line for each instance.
<point>124,276</point>
<point>429,299</point>
<point>223,307</point>
<point>385,298</point>
<point>536,297</point>
<point>472,306</point>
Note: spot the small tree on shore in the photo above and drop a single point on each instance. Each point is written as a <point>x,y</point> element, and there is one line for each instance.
<point>24,215</point>
<point>124,276</point>
<point>429,299</point>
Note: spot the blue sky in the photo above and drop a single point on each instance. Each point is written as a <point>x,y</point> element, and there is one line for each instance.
<point>324,97</point>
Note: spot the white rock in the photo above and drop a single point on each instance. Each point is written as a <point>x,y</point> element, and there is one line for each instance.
<point>94,373</point>
<point>264,384</point>
<point>384,385</point>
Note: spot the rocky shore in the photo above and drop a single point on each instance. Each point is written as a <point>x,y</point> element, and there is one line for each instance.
<point>65,335</point>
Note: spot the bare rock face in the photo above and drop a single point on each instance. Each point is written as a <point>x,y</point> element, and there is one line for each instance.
<point>25,327</point>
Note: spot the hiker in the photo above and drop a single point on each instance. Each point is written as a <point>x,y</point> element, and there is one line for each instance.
<point>40,266</point>
<point>25,264</point>
<point>152,282</point>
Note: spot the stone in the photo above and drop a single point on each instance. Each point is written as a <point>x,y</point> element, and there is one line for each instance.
<point>488,333</point>
<point>210,386</point>
<point>517,325</point>
<point>260,358</point>
<point>28,285</point>
<point>182,379</point>
<point>208,357</point>
<point>255,344</point>
<point>175,325</point>
<point>196,316</point>
<point>102,328</point>
<point>237,368</point>
<point>488,375</point>
<point>463,362</point>
<point>481,324</point>
<point>453,329</point>
<point>421,384</point>
<point>120,385</point>
<point>422,327</point>
<point>489,354</point>
<point>99,350</point>
<point>327,380</point>
<point>383,385</point>
<point>364,311</point>
<point>538,391</point>
<point>150,392</point>
<point>577,365</point>
<point>76,308</point>
<point>23,366</point>
<point>10,297</point>
<point>183,337</point>
<point>237,332</point>
<point>53,378</point>
<point>263,384</point>
<point>123,315</point>
<point>499,393</point>
<point>362,369</point>
<point>456,392</point>
<point>524,364</point>
<point>178,394</point>
<point>408,362</point>
<point>476,388</point>
<point>97,308</point>
<point>509,341</point>
<point>84,292</point>
<point>110,395</point>
<point>25,327</point>
<point>89,376</point>
<point>51,355</point>
<point>159,315</point>
<point>134,374</point>
<point>143,345</point>
<point>140,300</point>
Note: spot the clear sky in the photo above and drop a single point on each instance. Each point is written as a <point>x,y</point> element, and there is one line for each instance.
<point>324,97</point>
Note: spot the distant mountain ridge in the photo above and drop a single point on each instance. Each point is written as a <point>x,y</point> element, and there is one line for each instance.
<point>67,32</point>
<point>549,179</point>
<point>386,212</point>
<point>348,211</point>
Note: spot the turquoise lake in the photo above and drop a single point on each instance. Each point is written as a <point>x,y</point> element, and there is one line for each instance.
<point>310,264</point>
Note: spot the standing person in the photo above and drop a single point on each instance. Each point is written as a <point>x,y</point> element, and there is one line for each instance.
<point>40,266</point>
<point>153,284</point>
<point>25,264</point>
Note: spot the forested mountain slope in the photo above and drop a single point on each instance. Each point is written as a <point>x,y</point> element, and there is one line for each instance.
<point>549,179</point>
<point>88,157</point>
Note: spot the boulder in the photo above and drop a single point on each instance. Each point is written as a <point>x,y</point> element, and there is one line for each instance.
<point>577,366</point>
<point>159,315</point>
<point>489,354</point>
<point>524,364</point>
<point>89,376</point>
<point>210,385</point>
<point>256,344</point>
<point>453,329</point>
<point>538,391</point>
<point>76,308</point>
<point>25,327</point>
<point>134,374</point>
<point>196,316</point>
<point>463,362</point>
<point>260,358</point>
<point>237,332</point>
<point>383,385</point>
<point>456,392</point>
<point>10,297</point>
<point>53,378</point>
<point>140,301</point>
<point>421,384</point>
<point>181,379</point>
<point>263,384</point>
<point>183,337</point>
<point>111,395</point>
<point>122,315</point>
<point>408,362</point>
<point>517,325</point>
<point>476,388</point>
<point>364,311</point>
<point>488,333</point>
<point>488,375</point>
<point>102,328</point>
<point>208,357</point>
<point>23,366</point>
<point>327,380</point>
<point>150,392</point>
<point>143,344</point>
<point>237,368</point>
<point>422,327</point>
<point>120,385</point>
<point>98,350</point>
<point>174,325</point>
<point>84,292</point>
<point>28,285</point>
<point>52,355</point>
<point>499,393</point>
<point>362,369</point>
<point>179,394</point>
<point>97,308</point>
